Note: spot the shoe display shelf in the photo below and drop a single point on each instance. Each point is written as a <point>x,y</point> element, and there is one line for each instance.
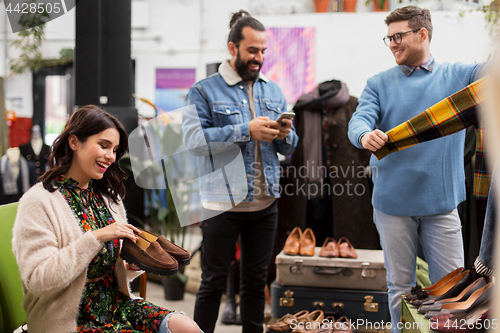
<point>415,322</point>
<point>412,321</point>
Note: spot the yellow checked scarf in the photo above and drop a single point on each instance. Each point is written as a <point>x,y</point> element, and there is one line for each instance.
<point>449,116</point>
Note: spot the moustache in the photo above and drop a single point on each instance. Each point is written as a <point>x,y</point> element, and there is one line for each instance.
<point>254,62</point>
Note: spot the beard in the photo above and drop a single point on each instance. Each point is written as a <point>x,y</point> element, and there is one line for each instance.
<point>242,69</point>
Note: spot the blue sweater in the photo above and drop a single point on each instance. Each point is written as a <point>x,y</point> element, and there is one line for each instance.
<point>425,179</point>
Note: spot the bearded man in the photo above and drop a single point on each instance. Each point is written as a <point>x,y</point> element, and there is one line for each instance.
<point>240,106</point>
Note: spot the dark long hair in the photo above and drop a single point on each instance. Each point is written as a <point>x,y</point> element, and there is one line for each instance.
<point>87,121</point>
<point>240,20</point>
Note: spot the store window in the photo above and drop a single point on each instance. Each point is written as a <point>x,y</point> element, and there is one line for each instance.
<point>53,99</point>
<point>56,106</point>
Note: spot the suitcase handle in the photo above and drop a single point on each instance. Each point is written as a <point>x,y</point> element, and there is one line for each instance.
<point>332,271</point>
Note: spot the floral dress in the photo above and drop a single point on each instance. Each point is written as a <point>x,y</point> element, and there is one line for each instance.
<point>103,308</point>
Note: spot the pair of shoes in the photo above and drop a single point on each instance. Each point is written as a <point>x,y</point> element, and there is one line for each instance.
<point>154,254</point>
<point>437,285</point>
<point>343,249</point>
<point>451,288</point>
<point>341,325</point>
<point>181,255</point>
<point>300,243</point>
<point>477,298</point>
<point>433,305</point>
<point>312,322</point>
<point>283,324</point>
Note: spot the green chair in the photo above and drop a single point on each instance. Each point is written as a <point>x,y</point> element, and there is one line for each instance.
<point>12,313</point>
<point>1,321</point>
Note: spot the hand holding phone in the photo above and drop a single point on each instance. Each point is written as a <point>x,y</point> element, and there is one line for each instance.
<point>287,115</point>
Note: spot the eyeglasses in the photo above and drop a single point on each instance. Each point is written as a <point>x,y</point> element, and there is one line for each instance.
<point>397,37</point>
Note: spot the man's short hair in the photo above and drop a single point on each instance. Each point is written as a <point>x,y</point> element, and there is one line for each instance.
<point>417,18</point>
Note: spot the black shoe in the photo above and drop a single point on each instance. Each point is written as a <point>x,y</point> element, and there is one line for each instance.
<point>229,316</point>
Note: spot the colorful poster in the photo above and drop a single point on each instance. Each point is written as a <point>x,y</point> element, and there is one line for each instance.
<point>172,85</point>
<point>290,60</point>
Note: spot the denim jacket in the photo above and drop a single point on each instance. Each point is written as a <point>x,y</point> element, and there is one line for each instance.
<point>221,102</point>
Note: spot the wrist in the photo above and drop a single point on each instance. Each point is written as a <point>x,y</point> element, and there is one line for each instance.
<point>360,138</point>
<point>97,235</point>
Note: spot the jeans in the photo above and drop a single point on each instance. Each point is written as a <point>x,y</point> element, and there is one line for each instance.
<point>484,262</point>
<point>256,232</point>
<point>164,324</point>
<point>441,239</point>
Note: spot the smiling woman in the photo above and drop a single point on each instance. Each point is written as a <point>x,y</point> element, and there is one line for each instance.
<point>90,136</point>
<point>67,238</point>
<point>93,156</point>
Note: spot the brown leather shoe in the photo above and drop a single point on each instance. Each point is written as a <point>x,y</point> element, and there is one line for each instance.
<point>283,324</point>
<point>343,325</point>
<point>346,250</point>
<point>149,257</point>
<point>307,243</point>
<point>182,256</point>
<point>292,243</point>
<point>329,249</point>
<point>436,285</point>
<point>312,324</point>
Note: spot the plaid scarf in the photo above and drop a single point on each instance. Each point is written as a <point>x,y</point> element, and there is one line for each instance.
<point>449,116</point>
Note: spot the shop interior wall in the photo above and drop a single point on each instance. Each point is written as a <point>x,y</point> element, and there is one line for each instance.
<point>349,46</point>
<point>193,33</point>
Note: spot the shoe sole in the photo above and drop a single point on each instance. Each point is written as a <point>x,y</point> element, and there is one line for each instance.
<point>184,262</point>
<point>164,272</point>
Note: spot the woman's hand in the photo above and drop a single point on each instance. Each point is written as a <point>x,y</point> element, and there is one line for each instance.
<point>131,267</point>
<point>116,230</point>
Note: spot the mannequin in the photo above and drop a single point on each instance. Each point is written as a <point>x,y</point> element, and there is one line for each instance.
<point>36,139</point>
<point>16,176</point>
<point>13,155</point>
<point>36,150</point>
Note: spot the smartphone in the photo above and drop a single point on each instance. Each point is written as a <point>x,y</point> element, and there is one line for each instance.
<point>287,115</point>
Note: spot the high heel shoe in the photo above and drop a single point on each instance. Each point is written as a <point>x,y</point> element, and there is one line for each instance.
<point>477,298</point>
<point>451,289</point>
<point>464,323</point>
<point>439,284</point>
<point>433,305</point>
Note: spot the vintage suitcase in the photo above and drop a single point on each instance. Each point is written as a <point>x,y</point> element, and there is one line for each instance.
<point>363,307</point>
<point>367,272</point>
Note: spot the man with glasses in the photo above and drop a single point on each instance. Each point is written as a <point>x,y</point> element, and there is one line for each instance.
<point>417,190</point>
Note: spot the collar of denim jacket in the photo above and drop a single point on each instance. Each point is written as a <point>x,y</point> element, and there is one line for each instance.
<point>230,75</point>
